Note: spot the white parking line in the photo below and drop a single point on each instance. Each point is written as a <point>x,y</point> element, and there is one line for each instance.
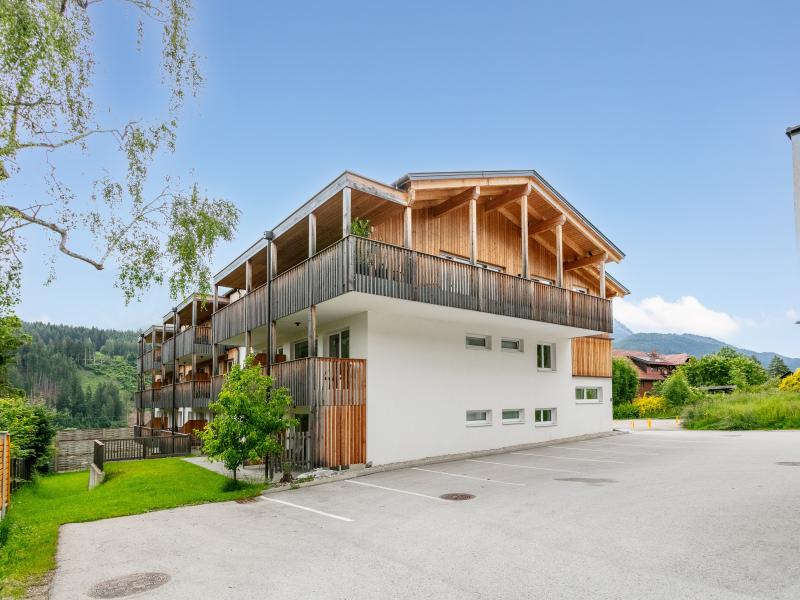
<point>608,451</point>
<point>647,445</point>
<point>380,487</point>
<point>619,462</point>
<point>488,462</point>
<point>313,510</point>
<point>468,476</point>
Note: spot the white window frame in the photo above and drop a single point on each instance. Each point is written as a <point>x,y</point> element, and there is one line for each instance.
<point>487,338</point>
<point>553,417</point>
<point>513,421</point>
<point>552,366</point>
<point>580,289</point>
<point>520,345</point>
<point>487,422</point>
<point>543,280</point>
<point>584,400</point>
<point>465,261</point>
<point>338,332</point>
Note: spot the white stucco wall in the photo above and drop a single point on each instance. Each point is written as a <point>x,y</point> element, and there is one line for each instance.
<point>421,380</point>
<point>796,170</point>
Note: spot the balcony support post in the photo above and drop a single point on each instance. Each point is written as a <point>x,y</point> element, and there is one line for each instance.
<point>312,234</point>
<point>347,216</point>
<point>268,317</point>
<point>176,324</point>
<point>312,330</point>
<point>473,227</point>
<point>214,307</point>
<point>602,266</point>
<point>523,221</point>
<point>560,255</point>
<point>407,231</point>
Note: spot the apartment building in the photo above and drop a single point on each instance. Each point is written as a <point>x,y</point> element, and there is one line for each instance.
<point>439,314</point>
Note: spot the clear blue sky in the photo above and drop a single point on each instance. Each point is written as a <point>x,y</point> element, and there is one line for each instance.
<point>662,123</point>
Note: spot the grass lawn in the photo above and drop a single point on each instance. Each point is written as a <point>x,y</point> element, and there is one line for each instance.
<point>29,533</point>
<point>745,410</point>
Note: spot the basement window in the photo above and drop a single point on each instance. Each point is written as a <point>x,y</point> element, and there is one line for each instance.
<point>588,395</point>
<point>544,417</point>
<point>481,342</point>
<point>512,416</point>
<point>479,418</point>
<point>511,345</point>
<point>546,357</point>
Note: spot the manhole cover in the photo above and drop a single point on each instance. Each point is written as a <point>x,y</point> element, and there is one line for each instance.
<point>588,480</point>
<point>249,500</point>
<point>128,585</point>
<point>789,463</point>
<point>457,496</point>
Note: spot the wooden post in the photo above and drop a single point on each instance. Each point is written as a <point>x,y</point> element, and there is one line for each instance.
<point>192,338</point>
<point>214,359</point>
<point>312,330</point>
<point>602,266</point>
<point>268,318</point>
<point>312,234</point>
<point>560,255</point>
<point>523,223</point>
<point>248,276</point>
<point>248,287</point>
<point>473,228</point>
<point>407,236</point>
<point>176,324</point>
<point>347,216</point>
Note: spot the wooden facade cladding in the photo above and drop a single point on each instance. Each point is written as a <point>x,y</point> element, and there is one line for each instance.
<point>364,265</point>
<point>193,340</point>
<point>591,357</point>
<point>150,360</point>
<point>194,394</point>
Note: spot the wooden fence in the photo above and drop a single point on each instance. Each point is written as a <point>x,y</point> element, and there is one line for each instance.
<point>74,447</point>
<point>5,472</point>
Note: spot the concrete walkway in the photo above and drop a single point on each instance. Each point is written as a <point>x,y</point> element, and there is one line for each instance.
<point>253,473</point>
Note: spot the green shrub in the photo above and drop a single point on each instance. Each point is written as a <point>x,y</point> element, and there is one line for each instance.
<point>624,381</point>
<point>676,390</point>
<point>625,410</point>
<point>745,410</point>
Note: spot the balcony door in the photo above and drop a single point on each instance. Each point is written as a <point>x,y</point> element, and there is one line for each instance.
<point>339,344</point>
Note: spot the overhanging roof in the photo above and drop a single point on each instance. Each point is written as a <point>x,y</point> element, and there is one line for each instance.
<point>790,131</point>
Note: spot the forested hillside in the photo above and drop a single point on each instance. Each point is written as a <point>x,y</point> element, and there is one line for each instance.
<point>87,374</point>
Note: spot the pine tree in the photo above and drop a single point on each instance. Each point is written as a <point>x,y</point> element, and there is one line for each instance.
<point>777,367</point>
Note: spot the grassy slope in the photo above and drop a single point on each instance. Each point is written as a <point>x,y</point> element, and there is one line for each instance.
<point>745,410</point>
<point>130,488</point>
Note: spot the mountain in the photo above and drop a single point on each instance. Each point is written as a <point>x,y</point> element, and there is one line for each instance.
<point>620,331</point>
<point>87,374</point>
<point>696,345</point>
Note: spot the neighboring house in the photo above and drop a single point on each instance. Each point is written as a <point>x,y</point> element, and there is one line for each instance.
<point>475,316</point>
<point>652,366</point>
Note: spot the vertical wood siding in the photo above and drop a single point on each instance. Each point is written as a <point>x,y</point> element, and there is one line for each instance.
<point>591,357</point>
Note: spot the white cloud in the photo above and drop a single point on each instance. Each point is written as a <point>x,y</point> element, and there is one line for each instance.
<point>685,315</point>
<point>792,314</point>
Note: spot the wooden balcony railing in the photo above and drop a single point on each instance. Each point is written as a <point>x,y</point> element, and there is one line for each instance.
<point>362,265</point>
<point>168,351</point>
<point>323,381</point>
<point>194,393</point>
<point>193,340</point>
<point>151,360</point>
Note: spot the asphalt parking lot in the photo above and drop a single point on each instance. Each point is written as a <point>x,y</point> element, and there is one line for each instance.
<point>656,514</point>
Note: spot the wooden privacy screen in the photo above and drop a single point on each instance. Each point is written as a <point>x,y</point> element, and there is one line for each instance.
<point>344,437</point>
<point>591,357</point>
<point>5,472</point>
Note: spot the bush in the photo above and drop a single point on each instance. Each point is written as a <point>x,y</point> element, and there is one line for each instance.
<point>624,380</point>
<point>790,383</point>
<point>625,410</point>
<point>31,429</point>
<point>650,406</point>
<point>726,367</point>
<point>676,390</point>
<point>745,410</point>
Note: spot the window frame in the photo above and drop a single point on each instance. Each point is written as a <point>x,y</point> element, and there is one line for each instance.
<point>294,348</point>
<point>487,339</point>
<point>552,367</point>
<point>543,280</point>
<point>338,333</point>
<point>487,422</point>
<point>542,423</point>
<point>520,349</point>
<point>515,421</point>
<point>580,289</point>
<point>584,400</point>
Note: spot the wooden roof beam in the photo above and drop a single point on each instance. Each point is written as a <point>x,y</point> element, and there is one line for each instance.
<point>508,197</point>
<point>455,202</point>
<point>586,261</point>
<point>536,227</point>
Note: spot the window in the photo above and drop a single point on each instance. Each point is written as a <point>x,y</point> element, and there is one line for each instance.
<point>478,418</point>
<point>544,417</point>
<point>300,349</point>
<point>339,344</point>
<point>513,415</point>
<point>588,395</point>
<point>580,290</point>
<point>545,357</point>
<point>483,342</point>
<point>511,345</point>
<point>465,261</point>
<point>543,280</point>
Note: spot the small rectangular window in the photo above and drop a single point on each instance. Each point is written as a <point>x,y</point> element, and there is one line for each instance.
<point>544,417</point>
<point>545,357</point>
<point>339,344</point>
<point>588,395</point>
<point>543,280</point>
<point>483,342</point>
<point>511,345</point>
<point>580,290</point>
<point>477,418</point>
<point>512,416</point>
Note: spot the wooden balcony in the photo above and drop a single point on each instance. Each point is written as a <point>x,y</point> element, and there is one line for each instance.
<point>150,360</point>
<point>357,264</point>
<point>168,351</point>
<point>146,399</point>
<point>195,394</point>
<point>193,340</point>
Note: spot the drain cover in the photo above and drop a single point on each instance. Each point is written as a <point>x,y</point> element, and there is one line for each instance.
<point>789,463</point>
<point>457,496</point>
<point>588,480</point>
<point>128,585</point>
